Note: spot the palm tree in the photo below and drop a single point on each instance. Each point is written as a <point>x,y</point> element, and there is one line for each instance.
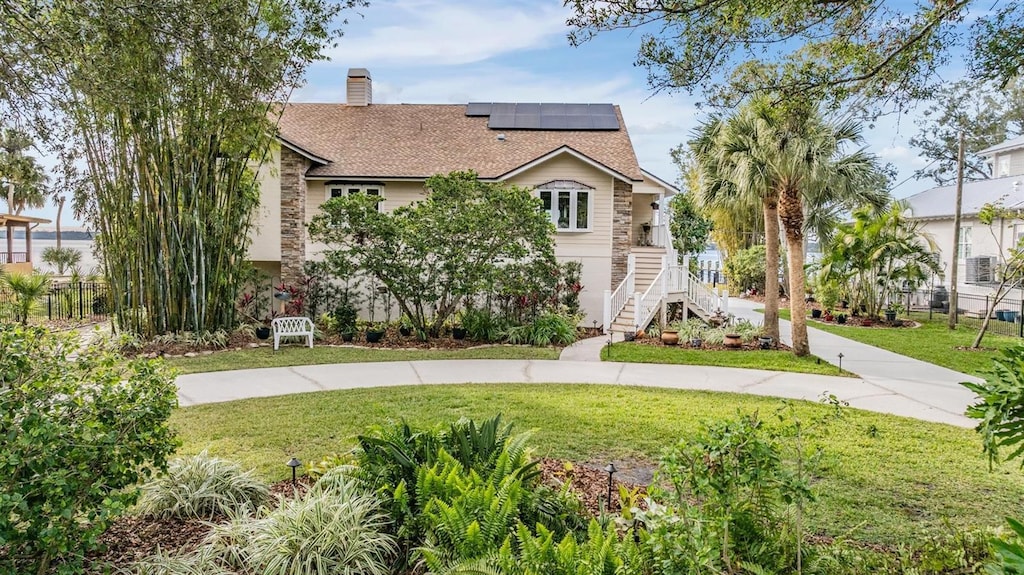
<point>728,154</point>
<point>28,289</point>
<point>808,165</point>
<point>22,172</point>
<point>786,156</point>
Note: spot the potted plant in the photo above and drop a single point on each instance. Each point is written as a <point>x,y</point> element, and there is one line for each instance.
<point>670,335</point>
<point>841,318</point>
<point>828,296</point>
<point>816,313</point>
<point>892,311</point>
<point>766,341</point>
<point>405,326</point>
<point>262,331</point>
<point>375,332</point>
<point>733,341</point>
<point>691,331</point>
<point>458,332</point>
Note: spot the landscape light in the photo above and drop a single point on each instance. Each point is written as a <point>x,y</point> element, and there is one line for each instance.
<point>610,470</point>
<point>294,464</point>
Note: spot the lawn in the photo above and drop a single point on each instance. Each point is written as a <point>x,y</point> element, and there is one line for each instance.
<point>882,478</point>
<point>287,356</point>
<point>762,359</point>
<point>932,342</point>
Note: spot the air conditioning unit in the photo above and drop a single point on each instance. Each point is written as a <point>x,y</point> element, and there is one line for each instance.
<point>981,270</point>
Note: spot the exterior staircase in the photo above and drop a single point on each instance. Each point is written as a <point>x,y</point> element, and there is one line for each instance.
<point>653,280</point>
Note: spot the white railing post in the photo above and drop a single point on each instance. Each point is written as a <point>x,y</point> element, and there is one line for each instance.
<point>607,323</point>
<point>725,302</point>
<point>630,263</point>
<point>638,299</point>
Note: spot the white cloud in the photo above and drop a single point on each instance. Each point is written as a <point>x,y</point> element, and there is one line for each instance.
<point>435,32</point>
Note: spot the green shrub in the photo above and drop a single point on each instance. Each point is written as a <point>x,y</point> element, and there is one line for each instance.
<point>64,259</point>
<point>481,324</point>
<point>735,471</point>
<point>547,329</point>
<point>202,487</point>
<point>321,534</point>
<point>746,269</point>
<point>72,452</point>
<point>345,317</point>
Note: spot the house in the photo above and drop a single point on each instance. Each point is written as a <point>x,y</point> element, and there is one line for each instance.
<point>609,213</point>
<point>980,247</point>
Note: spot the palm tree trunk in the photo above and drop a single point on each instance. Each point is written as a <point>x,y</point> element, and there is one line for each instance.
<point>60,209</point>
<point>791,210</point>
<point>771,274</point>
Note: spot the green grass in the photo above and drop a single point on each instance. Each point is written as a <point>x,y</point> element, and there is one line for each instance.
<point>762,359</point>
<point>933,342</point>
<point>882,478</point>
<point>288,356</point>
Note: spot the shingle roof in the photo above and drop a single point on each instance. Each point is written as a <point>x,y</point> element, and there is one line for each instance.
<point>420,140</point>
<point>1007,145</point>
<point>941,202</point>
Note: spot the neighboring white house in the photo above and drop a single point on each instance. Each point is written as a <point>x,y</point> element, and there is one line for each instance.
<point>980,246</point>
<point>578,158</point>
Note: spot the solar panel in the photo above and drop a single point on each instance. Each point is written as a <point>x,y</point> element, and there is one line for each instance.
<point>478,109</point>
<point>547,116</point>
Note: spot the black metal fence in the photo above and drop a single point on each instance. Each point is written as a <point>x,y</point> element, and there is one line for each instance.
<point>78,301</point>
<point>1006,317</point>
<point>711,276</point>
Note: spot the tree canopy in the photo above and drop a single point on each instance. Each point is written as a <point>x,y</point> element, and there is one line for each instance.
<point>170,106</point>
<point>875,49</point>
<point>985,113</point>
<point>22,171</point>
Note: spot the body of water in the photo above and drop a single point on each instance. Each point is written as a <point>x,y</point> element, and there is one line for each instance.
<point>89,261</point>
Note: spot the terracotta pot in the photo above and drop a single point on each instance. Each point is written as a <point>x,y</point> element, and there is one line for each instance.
<point>670,337</point>
<point>733,341</point>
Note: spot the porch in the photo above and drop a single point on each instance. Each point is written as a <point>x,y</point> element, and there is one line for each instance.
<point>12,261</point>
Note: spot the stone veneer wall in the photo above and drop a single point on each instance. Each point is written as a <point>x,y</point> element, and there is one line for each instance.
<point>293,215</point>
<point>622,226</point>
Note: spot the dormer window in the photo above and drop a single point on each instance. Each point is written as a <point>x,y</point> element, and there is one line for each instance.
<point>569,204</point>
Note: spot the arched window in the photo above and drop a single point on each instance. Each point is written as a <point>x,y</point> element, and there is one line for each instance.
<point>570,204</point>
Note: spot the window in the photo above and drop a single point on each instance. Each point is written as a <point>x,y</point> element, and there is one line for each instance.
<point>1018,234</point>
<point>341,190</point>
<point>963,249</point>
<point>1002,166</point>
<point>569,204</point>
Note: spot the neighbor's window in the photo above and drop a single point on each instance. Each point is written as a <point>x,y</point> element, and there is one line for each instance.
<point>568,203</point>
<point>963,249</point>
<point>341,190</point>
<point>1003,167</point>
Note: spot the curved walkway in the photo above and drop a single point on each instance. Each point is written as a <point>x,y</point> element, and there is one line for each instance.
<point>889,382</point>
<point>230,385</point>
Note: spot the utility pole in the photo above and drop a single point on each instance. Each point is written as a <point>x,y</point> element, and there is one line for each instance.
<point>953,303</point>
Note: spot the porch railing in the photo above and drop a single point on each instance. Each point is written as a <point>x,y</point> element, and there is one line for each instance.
<point>660,236</point>
<point>13,257</point>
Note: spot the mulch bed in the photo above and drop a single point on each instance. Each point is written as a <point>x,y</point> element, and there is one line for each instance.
<point>392,340</point>
<point>747,346</point>
<point>133,538</point>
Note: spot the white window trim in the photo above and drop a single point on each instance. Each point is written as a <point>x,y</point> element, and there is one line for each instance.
<point>574,188</point>
<point>966,245</point>
<point>347,189</point>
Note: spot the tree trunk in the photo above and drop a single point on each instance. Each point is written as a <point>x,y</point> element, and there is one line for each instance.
<point>792,214</point>
<point>60,209</point>
<point>988,314</point>
<point>771,274</point>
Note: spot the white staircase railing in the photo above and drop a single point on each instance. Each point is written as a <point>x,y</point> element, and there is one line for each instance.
<point>648,303</point>
<point>702,297</point>
<point>614,301</point>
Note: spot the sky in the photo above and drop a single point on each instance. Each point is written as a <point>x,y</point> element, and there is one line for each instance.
<point>459,51</point>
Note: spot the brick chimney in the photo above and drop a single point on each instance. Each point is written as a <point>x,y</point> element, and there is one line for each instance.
<point>360,87</point>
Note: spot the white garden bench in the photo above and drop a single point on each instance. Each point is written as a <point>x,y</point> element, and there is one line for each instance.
<point>292,327</point>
